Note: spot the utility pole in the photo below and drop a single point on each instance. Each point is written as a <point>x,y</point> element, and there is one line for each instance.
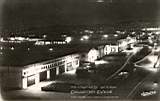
<point>157,60</point>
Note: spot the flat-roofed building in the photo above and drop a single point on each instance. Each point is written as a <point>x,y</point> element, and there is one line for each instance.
<point>16,77</point>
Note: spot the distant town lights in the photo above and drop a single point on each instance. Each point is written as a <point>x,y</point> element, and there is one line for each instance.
<point>28,49</point>
<point>115,35</point>
<point>86,31</point>
<point>17,38</point>
<point>64,35</point>
<point>143,33</point>
<point>81,39</point>
<point>157,33</point>
<point>12,38</point>
<point>151,29</point>
<point>1,47</point>
<point>86,37</point>
<point>50,49</point>
<point>20,38</point>
<point>89,31</point>
<point>118,31</point>
<point>105,36</point>
<point>133,33</point>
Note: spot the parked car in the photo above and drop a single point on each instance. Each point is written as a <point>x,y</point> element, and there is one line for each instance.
<point>85,71</point>
<point>58,87</point>
<point>122,75</point>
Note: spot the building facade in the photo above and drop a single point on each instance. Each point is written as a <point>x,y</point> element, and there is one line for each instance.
<point>111,49</point>
<point>93,55</point>
<point>23,77</point>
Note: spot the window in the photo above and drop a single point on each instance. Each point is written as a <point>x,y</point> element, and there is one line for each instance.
<point>69,64</point>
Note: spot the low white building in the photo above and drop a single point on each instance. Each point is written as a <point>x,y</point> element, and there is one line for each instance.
<point>23,77</point>
<point>93,54</point>
<point>111,49</point>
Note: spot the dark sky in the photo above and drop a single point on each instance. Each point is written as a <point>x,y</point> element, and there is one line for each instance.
<point>52,12</point>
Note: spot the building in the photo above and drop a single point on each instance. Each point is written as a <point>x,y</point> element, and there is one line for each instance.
<point>119,45</point>
<point>115,46</point>
<point>93,55</point>
<point>89,55</point>
<point>22,78</point>
<point>125,43</point>
<point>111,49</point>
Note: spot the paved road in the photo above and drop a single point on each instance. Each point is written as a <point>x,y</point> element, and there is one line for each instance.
<point>137,82</point>
<point>123,88</point>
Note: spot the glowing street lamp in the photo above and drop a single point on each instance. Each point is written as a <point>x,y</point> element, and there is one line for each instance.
<point>44,36</point>
<point>1,48</point>
<point>115,35</point>
<point>82,39</point>
<point>86,37</point>
<point>12,38</point>
<point>12,48</point>
<point>50,49</point>
<point>28,49</point>
<point>68,39</point>
<point>105,36</point>
<point>118,31</point>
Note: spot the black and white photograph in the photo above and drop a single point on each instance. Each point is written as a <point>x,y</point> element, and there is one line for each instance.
<point>79,50</point>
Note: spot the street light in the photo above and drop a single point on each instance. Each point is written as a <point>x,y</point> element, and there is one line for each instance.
<point>12,48</point>
<point>115,35</point>
<point>44,36</point>
<point>50,49</point>
<point>82,39</point>
<point>1,40</point>
<point>105,36</point>
<point>68,39</point>
<point>86,37</point>
<point>1,48</point>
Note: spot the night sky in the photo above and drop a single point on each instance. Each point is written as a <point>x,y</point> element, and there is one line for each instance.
<point>16,13</point>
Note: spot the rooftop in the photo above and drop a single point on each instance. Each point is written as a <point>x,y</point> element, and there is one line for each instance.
<point>18,56</point>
